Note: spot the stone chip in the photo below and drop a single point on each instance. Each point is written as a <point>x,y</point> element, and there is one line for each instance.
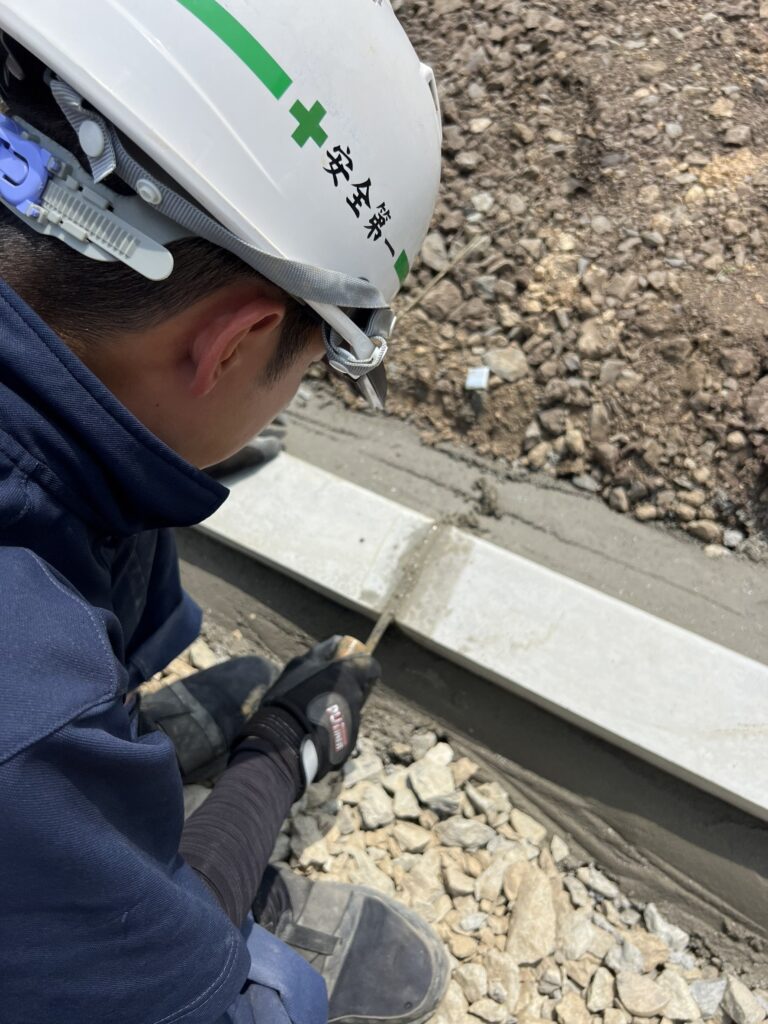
<point>640,995</point>
<point>463,832</point>
<point>533,926</point>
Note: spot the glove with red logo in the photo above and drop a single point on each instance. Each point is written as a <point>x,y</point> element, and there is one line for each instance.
<point>323,693</point>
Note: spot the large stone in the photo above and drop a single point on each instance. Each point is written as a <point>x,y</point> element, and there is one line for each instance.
<point>463,770</point>
<point>422,743</point>
<point>740,1005</point>
<point>457,883</point>
<point>533,926</point>
<point>625,958</point>
<point>489,884</point>
<point>738,135</point>
<point>395,781</point>
<point>597,339</point>
<point>441,753</point>
<point>432,784</point>
<point>411,838</point>
<point>503,971</point>
<point>361,768</point>
<point>473,981</point>
<point>621,286</point>
<point>706,530</point>
<point>316,856</point>
<point>597,882</point>
<point>601,991</point>
<point>406,805</point>
<point>616,1016</point>
<point>473,922</point>
<point>425,879</point>
<point>488,1010</point>
<point>738,362</point>
<point>491,800</point>
<point>581,971</point>
<point>434,252</point>
<point>376,807</point>
<point>365,872</point>
<point>559,849</point>
<point>681,1004</point>
<point>442,300</point>
<point>640,995</point>
<point>201,655</point>
<point>453,1009</point>
<point>708,996</point>
<point>463,832</point>
<point>577,890</point>
<point>462,946</point>
<point>509,363</point>
<point>554,421</point>
<point>572,1009</point>
<point>512,880</point>
<point>757,405</point>
<point>576,933</point>
<point>652,948</point>
<point>528,827</point>
<point>655,922</point>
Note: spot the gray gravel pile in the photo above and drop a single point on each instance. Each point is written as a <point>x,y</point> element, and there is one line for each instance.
<point>612,159</point>
<point>534,933</point>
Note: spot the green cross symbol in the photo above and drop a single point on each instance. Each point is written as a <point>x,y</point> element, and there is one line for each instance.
<point>310,123</point>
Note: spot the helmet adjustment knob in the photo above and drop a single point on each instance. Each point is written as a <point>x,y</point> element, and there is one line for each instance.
<point>92,139</point>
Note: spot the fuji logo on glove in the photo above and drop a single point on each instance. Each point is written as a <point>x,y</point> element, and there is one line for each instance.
<point>330,711</point>
<point>338,728</point>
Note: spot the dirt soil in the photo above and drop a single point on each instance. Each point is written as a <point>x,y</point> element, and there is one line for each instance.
<point>611,162</point>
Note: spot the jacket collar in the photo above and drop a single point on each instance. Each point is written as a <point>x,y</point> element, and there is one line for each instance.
<point>62,427</point>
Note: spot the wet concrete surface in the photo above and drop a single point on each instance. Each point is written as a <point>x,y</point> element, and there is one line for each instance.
<point>657,569</point>
<point>703,861</point>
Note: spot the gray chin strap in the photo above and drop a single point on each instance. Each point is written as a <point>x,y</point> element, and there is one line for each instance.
<point>353,350</point>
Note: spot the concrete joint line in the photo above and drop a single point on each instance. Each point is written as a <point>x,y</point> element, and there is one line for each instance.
<point>669,696</point>
<point>406,575</point>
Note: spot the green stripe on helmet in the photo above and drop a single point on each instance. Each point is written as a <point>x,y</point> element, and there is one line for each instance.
<point>242,43</point>
<point>402,266</point>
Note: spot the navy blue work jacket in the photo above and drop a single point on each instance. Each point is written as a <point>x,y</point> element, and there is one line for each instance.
<point>100,919</point>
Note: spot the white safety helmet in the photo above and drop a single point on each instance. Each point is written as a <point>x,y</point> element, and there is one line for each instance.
<point>304,137</point>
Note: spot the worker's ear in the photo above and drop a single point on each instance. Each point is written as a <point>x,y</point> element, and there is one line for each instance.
<point>220,343</point>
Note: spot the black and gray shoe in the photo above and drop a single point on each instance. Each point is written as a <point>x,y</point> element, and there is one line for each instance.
<point>205,713</point>
<point>380,961</point>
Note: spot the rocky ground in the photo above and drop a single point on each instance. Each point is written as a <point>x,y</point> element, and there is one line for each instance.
<point>535,932</point>
<point>610,161</point>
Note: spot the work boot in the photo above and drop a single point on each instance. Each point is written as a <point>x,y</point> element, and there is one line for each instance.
<point>381,963</point>
<point>205,713</point>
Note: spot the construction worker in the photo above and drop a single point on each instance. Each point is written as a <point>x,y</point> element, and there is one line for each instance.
<point>198,200</point>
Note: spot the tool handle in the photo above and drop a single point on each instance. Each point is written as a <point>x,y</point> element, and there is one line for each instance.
<point>349,647</point>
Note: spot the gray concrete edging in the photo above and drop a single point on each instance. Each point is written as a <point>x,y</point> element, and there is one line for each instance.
<point>669,696</point>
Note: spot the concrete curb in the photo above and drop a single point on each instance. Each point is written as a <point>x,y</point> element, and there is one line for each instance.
<point>667,695</point>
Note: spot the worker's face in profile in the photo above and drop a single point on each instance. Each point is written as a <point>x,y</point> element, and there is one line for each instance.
<point>248,401</point>
<point>213,377</point>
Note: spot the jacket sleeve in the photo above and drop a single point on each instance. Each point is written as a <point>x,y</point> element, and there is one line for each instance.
<point>100,918</point>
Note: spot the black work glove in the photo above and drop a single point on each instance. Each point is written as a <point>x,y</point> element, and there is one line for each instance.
<point>316,706</point>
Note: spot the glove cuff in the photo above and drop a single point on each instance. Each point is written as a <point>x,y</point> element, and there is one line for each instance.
<point>275,731</point>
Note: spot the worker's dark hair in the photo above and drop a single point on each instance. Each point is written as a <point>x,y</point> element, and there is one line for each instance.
<point>88,302</point>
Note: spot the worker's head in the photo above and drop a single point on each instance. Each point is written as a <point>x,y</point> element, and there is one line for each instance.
<point>205,358</point>
<point>241,200</point>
